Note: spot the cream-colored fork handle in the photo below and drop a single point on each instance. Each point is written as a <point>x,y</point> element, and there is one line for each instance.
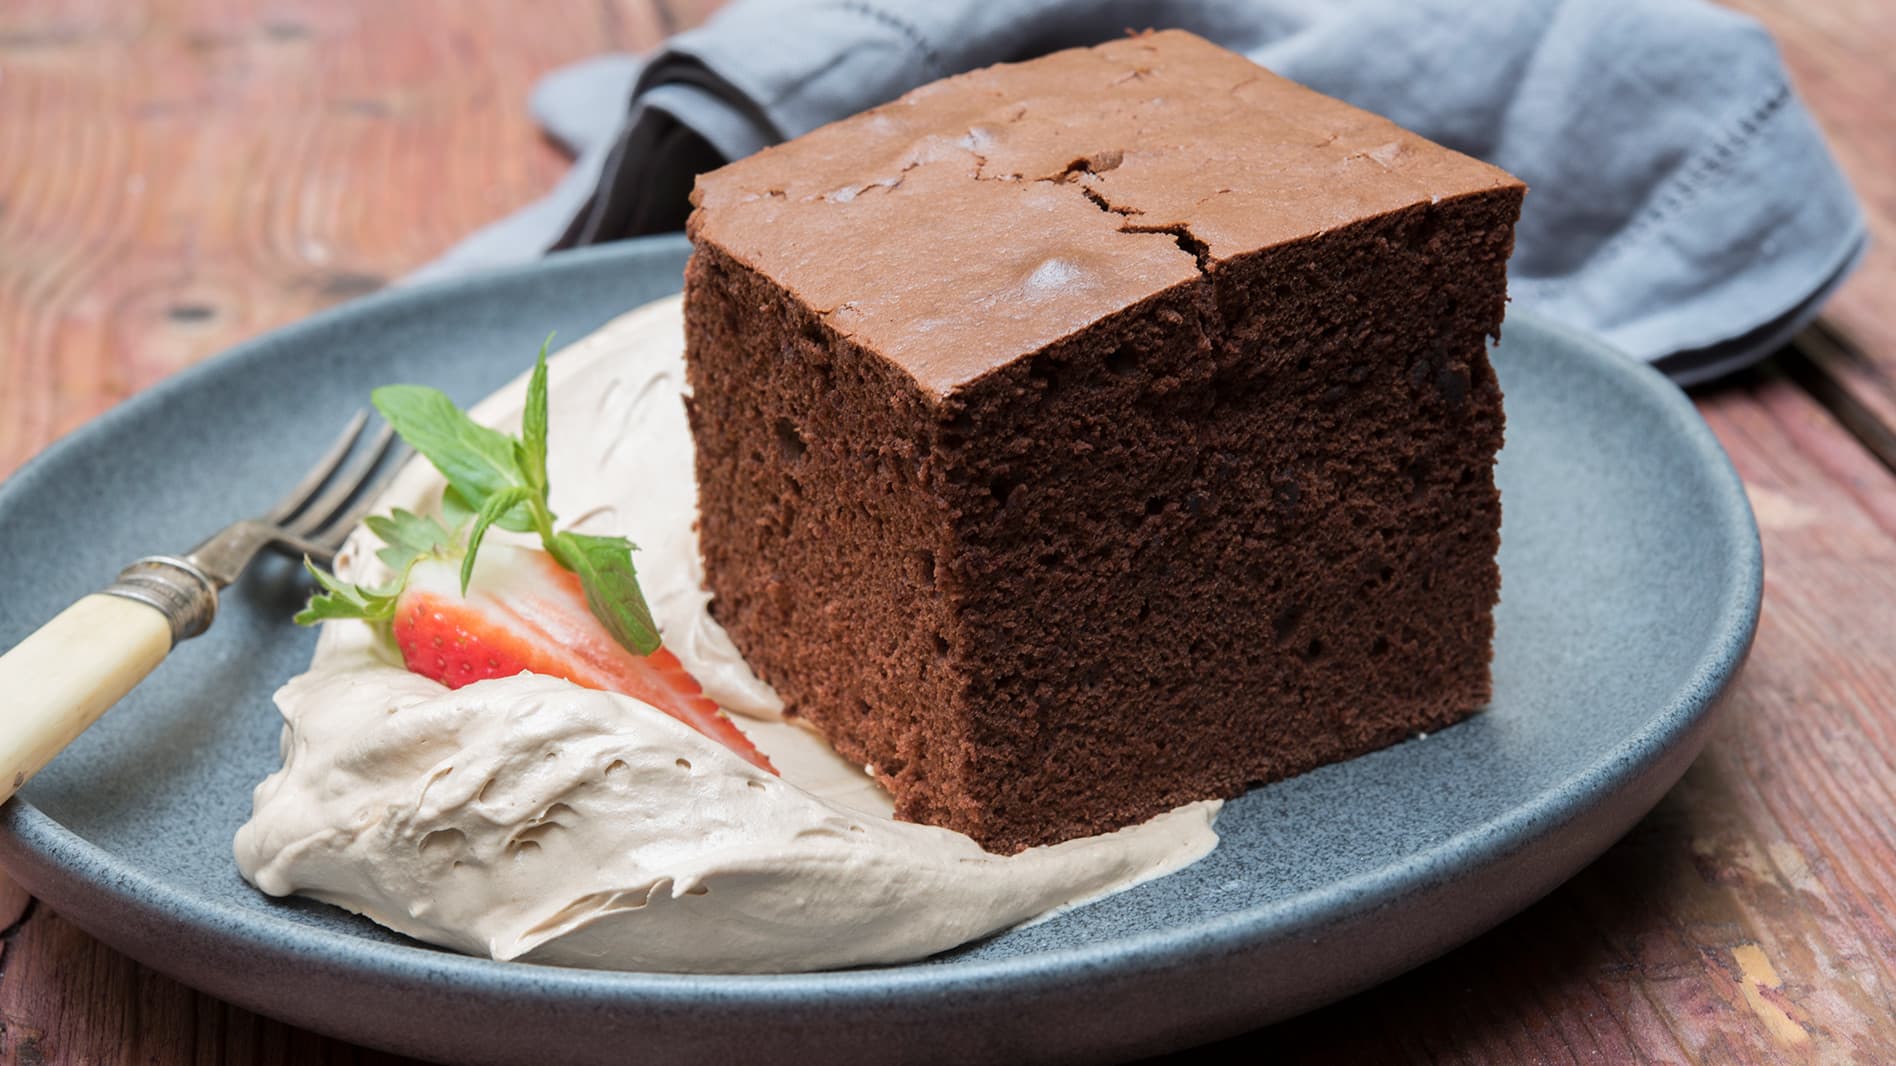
<point>58,681</point>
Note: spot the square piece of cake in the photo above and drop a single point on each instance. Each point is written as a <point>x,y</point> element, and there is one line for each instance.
<point>1082,437</point>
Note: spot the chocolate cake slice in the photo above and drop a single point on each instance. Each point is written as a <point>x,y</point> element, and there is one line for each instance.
<point>1086,436</point>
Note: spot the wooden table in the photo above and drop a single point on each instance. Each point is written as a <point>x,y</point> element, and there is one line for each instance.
<point>177,176</point>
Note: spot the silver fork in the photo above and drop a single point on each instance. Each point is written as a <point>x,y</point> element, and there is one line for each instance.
<point>59,680</point>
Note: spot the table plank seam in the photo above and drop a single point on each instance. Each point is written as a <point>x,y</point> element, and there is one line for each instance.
<point>1809,360</point>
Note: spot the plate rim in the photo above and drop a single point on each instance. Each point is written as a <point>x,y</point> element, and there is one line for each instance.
<point>29,833</point>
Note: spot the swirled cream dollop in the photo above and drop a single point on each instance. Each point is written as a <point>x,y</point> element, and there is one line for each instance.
<point>529,818</point>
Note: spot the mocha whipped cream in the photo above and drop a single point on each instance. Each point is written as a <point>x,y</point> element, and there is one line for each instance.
<point>530,818</point>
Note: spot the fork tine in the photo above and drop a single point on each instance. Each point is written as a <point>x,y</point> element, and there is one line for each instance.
<point>331,533</point>
<point>343,488</point>
<point>299,495</point>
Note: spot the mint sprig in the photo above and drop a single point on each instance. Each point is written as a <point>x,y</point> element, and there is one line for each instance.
<point>493,480</point>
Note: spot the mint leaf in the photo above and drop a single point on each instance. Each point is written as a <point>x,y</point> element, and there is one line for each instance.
<point>533,424</point>
<point>408,537</point>
<point>497,505</point>
<point>476,460</point>
<point>456,512</point>
<point>524,516</point>
<point>340,600</point>
<point>493,480</point>
<point>604,566</point>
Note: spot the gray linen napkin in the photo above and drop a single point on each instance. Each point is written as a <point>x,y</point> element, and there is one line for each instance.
<point>1683,204</point>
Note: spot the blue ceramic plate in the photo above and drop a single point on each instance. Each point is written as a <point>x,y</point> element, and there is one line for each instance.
<point>1631,576</point>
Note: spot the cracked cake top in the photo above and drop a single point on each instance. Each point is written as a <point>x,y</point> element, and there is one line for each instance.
<point>982,218</point>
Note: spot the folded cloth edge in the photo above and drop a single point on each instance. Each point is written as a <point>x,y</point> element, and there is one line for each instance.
<point>1717,317</point>
<point>1691,340</point>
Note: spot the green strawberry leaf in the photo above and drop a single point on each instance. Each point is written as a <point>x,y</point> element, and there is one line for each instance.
<point>476,460</point>
<point>408,537</point>
<point>340,600</point>
<point>491,512</point>
<point>604,566</point>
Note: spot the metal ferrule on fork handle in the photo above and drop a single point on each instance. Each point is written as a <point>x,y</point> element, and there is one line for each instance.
<point>184,594</point>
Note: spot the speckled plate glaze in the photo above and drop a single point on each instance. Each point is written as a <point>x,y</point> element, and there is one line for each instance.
<point>1631,577</point>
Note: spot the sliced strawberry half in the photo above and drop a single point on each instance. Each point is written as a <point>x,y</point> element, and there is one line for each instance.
<point>524,612</point>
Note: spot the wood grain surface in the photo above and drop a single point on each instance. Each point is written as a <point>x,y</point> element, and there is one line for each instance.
<point>177,176</point>
<point>1839,55</point>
